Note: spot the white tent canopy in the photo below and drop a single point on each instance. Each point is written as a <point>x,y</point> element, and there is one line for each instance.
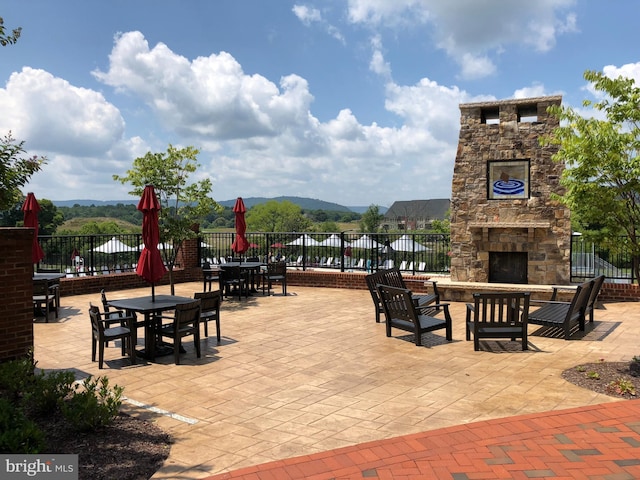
<point>161,246</point>
<point>304,240</point>
<point>114,246</point>
<point>406,244</point>
<point>365,241</point>
<point>334,241</point>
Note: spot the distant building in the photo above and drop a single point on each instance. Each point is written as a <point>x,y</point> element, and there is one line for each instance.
<point>415,214</point>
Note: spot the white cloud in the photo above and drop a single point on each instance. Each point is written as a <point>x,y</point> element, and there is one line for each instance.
<point>57,116</point>
<point>306,14</point>
<point>629,70</point>
<point>473,31</point>
<point>378,64</point>
<point>257,138</point>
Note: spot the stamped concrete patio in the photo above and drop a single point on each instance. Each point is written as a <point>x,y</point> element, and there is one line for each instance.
<point>312,372</point>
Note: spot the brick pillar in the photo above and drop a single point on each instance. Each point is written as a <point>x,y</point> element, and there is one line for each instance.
<point>16,291</point>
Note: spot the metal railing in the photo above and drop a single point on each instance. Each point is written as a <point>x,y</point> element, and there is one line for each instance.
<point>103,254</point>
<point>340,251</point>
<point>589,260</point>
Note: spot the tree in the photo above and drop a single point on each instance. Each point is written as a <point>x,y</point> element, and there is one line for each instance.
<point>371,219</point>
<point>8,39</point>
<point>15,170</point>
<point>274,216</point>
<point>183,204</point>
<point>602,180</point>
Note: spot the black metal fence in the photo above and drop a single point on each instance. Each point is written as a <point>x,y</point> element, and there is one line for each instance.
<point>589,260</point>
<point>343,251</point>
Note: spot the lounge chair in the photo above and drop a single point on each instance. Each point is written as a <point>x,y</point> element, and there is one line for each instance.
<point>401,312</point>
<point>498,315</point>
<point>563,314</point>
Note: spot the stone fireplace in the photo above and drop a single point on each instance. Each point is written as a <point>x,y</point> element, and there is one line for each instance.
<point>505,225</point>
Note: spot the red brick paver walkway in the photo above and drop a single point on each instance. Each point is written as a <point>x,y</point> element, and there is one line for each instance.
<point>592,442</point>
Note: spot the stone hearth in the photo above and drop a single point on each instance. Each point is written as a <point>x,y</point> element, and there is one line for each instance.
<point>502,189</point>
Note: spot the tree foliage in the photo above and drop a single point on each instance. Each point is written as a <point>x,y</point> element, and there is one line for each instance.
<point>371,219</point>
<point>274,216</point>
<point>183,204</point>
<point>602,180</point>
<point>8,39</point>
<point>15,170</point>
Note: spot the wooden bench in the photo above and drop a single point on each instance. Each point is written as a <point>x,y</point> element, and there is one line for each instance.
<point>402,312</point>
<point>393,278</point>
<point>564,314</point>
<point>498,315</point>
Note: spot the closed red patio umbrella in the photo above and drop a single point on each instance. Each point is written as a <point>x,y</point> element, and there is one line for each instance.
<point>150,265</point>
<point>30,209</point>
<point>240,244</point>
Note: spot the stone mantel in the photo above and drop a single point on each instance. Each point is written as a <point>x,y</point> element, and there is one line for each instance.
<point>529,226</point>
<point>526,225</point>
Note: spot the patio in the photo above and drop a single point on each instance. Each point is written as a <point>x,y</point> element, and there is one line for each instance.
<point>312,372</point>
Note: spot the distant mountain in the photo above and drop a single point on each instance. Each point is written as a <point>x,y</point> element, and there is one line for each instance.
<point>304,203</point>
<point>97,203</point>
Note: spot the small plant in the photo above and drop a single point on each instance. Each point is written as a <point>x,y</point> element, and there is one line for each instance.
<point>636,359</point>
<point>581,368</point>
<point>622,387</point>
<point>47,391</point>
<point>18,434</point>
<point>94,407</point>
<point>593,375</point>
<point>15,376</point>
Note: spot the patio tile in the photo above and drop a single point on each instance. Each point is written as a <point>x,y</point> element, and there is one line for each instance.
<point>312,371</point>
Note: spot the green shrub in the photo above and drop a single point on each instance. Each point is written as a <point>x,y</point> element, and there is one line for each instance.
<point>15,376</point>
<point>94,407</point>
<point>18,434</point>
<point>47,391</point>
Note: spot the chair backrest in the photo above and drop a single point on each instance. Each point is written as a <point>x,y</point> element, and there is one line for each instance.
<point>209,301</point>
<point>498,309</point>
<point>595,291</point>
<point>230,274</point>
<point>41,287</point>
<point>187,315</point>
<point>393,278</point>
<point>96,325</point>
<point>105,304</point>
<point>373,279</point>
<point>397,304</point>
<point>579,301</point>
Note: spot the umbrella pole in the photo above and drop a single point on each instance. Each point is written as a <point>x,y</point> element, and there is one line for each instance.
<point>153,291</point>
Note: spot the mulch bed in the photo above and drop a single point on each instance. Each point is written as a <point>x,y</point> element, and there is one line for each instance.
<point>609,378</point>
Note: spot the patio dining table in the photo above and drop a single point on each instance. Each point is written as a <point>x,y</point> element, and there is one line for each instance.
<point>151,308</point>
<point>252,267</point>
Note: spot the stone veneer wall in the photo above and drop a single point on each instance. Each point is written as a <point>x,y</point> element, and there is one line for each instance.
<point>537,225</point>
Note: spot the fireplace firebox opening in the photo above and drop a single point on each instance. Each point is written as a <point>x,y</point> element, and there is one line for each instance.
<point>508,267</point>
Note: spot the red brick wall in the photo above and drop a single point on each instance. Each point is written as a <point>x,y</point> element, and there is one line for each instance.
<point>16,291</point>
<point>620,292</point>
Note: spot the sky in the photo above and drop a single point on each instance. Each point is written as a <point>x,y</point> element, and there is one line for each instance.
<point>349,101</point>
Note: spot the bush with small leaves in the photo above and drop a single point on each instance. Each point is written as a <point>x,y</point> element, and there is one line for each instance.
<point>47,391</point>
<point>18,434</point>
<point>94,407</point>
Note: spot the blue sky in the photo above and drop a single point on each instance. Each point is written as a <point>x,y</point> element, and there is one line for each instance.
<point>349,101</point>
